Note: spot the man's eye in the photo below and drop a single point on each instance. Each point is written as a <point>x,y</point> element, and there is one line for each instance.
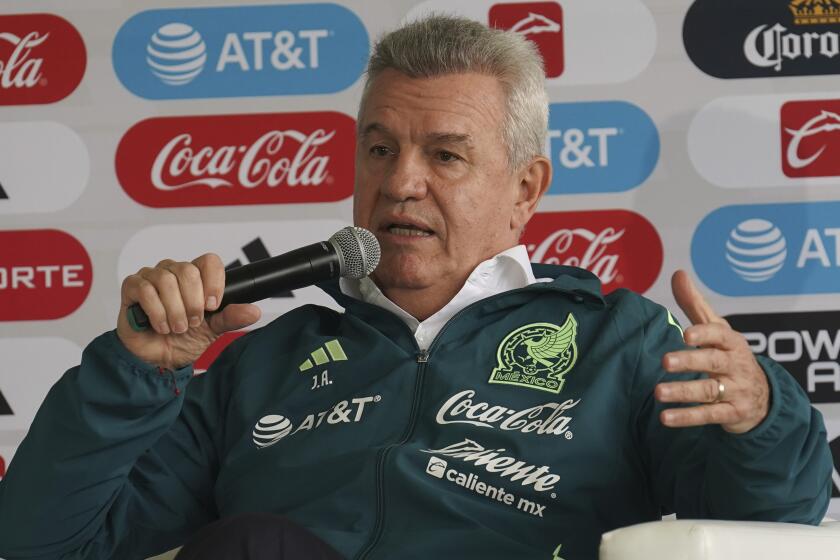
<point>380,151</point>
<point>443,155</point>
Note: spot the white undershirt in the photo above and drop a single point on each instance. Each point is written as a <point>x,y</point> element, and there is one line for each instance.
<point>508,270</point>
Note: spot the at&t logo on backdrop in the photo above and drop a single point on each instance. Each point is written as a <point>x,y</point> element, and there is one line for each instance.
<point>606,146</point>
<point>240,51</point>
<point>176,54</point>
<point>769,249</point>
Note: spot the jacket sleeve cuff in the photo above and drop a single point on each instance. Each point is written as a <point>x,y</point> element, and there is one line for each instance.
<point>789,408</point>
<point>127,361</point>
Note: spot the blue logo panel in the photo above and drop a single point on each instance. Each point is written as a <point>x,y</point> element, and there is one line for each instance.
<point>606,146</point>
<point>240,51</point>
<point>769,249</point>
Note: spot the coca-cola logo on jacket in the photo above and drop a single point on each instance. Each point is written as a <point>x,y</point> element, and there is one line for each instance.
<point>238,159</point>
<point>621,247</point>
<point>44,274</point>
<point>42,59</point>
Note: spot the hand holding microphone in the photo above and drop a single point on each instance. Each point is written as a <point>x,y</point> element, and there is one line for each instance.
<point>171,313</point>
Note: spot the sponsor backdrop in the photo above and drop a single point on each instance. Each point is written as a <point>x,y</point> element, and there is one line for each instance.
<point>700,135</point>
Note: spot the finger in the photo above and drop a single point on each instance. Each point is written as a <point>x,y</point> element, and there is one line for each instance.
<point>213,278</point>
<point>709,360</point>
<point>715,335</point>
<point>719,413</point>
<point>691,301</point>
<point>136,289</point>
<point>192,290</point>
<point>169,293</point>
<point>234,317</point>
<point>697,391</point>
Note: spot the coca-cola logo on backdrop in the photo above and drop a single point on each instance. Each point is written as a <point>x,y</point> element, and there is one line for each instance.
<point>44,274</point>
<point>42,59</point>
<point>621,247</point>
<point>238,159</point>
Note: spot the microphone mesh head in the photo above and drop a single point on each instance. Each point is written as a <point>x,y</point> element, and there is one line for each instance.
<point>358,251</point>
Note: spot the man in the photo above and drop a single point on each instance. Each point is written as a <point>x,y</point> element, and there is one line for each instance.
<point>467,405</point>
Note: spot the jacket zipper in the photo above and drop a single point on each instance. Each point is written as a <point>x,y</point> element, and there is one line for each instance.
<point>422,357</point>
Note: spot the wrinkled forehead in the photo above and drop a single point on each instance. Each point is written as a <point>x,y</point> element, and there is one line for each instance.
<point>460,103</point>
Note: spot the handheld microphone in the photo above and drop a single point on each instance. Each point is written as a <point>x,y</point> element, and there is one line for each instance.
<point>351,252</point>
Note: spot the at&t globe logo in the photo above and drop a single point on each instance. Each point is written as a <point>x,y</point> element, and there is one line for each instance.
<point>769,249</point>
<point>756,250</point>
<point>176,54</point>
<point>271,429</point>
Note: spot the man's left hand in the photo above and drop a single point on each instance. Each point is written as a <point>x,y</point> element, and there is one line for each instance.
<point>726,357</point>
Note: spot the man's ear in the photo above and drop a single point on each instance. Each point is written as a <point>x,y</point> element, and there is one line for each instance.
<point>534,180</point>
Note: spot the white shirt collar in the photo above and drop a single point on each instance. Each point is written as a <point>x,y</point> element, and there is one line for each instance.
<point>506,271</point>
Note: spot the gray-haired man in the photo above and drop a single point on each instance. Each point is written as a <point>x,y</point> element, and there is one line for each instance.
<point>470,405</point>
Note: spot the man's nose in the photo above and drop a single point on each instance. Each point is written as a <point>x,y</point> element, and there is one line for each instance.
<point>408,178</point>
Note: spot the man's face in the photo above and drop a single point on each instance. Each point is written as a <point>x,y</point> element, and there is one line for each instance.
<point>432,177</point>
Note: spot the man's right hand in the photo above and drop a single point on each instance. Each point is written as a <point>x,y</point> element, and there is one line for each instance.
<point>175,296</point>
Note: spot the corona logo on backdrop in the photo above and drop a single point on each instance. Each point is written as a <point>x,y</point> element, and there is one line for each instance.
<point>238,159</point>
<point>600,146</point>
<point>621,247</point>
<point>44,274</point>
<point>42,59</point>
<point>769,249</point>
<point>811,138</point>
<point>290,49</point>
<point>539,22</point>
<point>765,38</point>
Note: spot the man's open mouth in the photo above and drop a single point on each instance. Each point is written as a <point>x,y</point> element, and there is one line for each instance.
<point>409,230</point>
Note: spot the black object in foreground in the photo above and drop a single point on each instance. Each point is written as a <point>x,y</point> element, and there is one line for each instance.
<point>351,252</point>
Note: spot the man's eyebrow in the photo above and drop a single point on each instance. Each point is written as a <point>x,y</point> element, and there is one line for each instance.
<point>438,137</point>
<point>451,138</point>
<point>374,127</point>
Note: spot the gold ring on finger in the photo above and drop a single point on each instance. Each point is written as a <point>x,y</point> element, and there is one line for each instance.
<point>721,392</point>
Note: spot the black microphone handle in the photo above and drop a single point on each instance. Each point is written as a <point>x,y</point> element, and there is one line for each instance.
<point>262,279</point>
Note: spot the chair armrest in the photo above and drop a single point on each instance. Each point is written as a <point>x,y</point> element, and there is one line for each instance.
<point>689,539</point>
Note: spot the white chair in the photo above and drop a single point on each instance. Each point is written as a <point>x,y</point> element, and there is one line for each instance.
<point>166,555</point>
<point>688,539</point>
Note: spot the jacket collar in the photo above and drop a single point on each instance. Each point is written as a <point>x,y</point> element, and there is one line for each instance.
<point>577,283</point>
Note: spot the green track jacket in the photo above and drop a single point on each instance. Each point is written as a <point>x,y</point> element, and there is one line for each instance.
<point>526,430</point>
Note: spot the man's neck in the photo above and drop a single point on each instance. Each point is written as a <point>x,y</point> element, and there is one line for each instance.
<point>423,303</point>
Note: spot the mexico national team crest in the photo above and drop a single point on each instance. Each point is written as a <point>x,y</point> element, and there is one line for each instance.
<point>537,356</point>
